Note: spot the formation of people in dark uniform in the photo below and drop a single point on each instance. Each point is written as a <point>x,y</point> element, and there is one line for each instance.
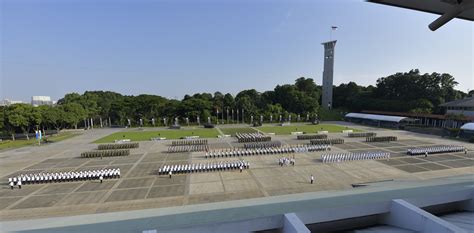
<point>252,137</point>
<point>203,167</point>
<point>55,177</point>
<point>342,157</point>
<point>187,148</point>
<point>435,150</point>
<point>189,142</point>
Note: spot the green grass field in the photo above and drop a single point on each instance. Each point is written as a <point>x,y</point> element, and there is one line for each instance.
<point>282,130</point>
<point>168,134</point>
<point>233,131</point>
<point>23,142</point>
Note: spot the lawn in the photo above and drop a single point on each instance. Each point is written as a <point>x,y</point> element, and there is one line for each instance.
<point>9,144</point>
<point>233,131</point>
<point>168,134</point>
<point>281,130</point>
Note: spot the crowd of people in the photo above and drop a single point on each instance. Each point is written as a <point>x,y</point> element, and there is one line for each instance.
<point>252,137</point>
<point>203,167</point>
<point>341,157</point>
<point>234,152</point>
<point>55,177</point>
<point>435,150</point>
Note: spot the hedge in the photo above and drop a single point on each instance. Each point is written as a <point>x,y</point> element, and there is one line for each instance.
<point>105,153</point>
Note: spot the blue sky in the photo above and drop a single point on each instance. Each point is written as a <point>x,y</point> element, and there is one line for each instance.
<point>171,48</point>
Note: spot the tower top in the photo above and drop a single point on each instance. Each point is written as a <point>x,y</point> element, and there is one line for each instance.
<point>332,42</point>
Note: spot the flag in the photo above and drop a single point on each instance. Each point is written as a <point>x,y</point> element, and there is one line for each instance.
<point>334,27</point>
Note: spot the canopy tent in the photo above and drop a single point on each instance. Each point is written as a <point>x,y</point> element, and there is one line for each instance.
<point>375,117</point>
<point>468,126</point>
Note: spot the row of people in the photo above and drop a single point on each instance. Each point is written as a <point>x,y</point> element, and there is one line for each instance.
<point>51,177</point>
<point>187,148</point>
<point>189,142</point>
<point>203,167</point>
<point>252,137</point>
<point>341,157</point>
<point>277,150</point>
<point>260,145</point>
<point>435,149</point>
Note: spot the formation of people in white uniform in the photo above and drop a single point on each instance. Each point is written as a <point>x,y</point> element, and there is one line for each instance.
<point>285,161</point>
<point>252,137</point>
<point>187,148</point>
<point>53,177</point>
<point>234,152</point>
<point>203,167</point>
<point>435,149</point>
<point>341,157</point>
<point>261,145</point>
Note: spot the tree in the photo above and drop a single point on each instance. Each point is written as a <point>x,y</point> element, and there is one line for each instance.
<point>73,114</point>
<point>18,116</point>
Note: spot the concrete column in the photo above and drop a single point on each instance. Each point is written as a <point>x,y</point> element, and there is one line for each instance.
<point>292,224</point>
<point>405,215</point>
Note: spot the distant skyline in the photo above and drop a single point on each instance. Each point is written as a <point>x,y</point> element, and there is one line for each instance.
<point>173,48</point>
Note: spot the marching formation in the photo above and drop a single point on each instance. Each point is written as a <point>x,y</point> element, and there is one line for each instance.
<point>361,135</point>
<point>381,139</point>
<point>252,137</point>
<point>189,142</point>
<point>341,157</point>
<point>260,145</point>
<point>311,136</point>
<point>266,151</point>
<point>52,177</point>
<point>187,148</point>
<point>203,167</point>
<point>326,141</point>
<point>435,150</point>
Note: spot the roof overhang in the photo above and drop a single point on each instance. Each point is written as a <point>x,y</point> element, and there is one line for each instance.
<point>448,9</point>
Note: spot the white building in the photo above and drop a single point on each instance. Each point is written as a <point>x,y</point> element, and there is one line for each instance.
<point>41,100</point>
<point>7,102</point>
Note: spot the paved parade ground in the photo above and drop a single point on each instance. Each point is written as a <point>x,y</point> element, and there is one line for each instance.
<point>141,187</point>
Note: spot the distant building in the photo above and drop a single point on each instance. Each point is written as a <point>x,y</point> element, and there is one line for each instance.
<point>41,100</point>
<point>7,102</point>
<point>460,107</point>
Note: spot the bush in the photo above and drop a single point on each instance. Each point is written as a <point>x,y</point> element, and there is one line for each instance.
<point>105,153</point>
<point>118,146</point>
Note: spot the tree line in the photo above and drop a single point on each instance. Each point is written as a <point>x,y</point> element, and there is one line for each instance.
<point>404,92</point>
